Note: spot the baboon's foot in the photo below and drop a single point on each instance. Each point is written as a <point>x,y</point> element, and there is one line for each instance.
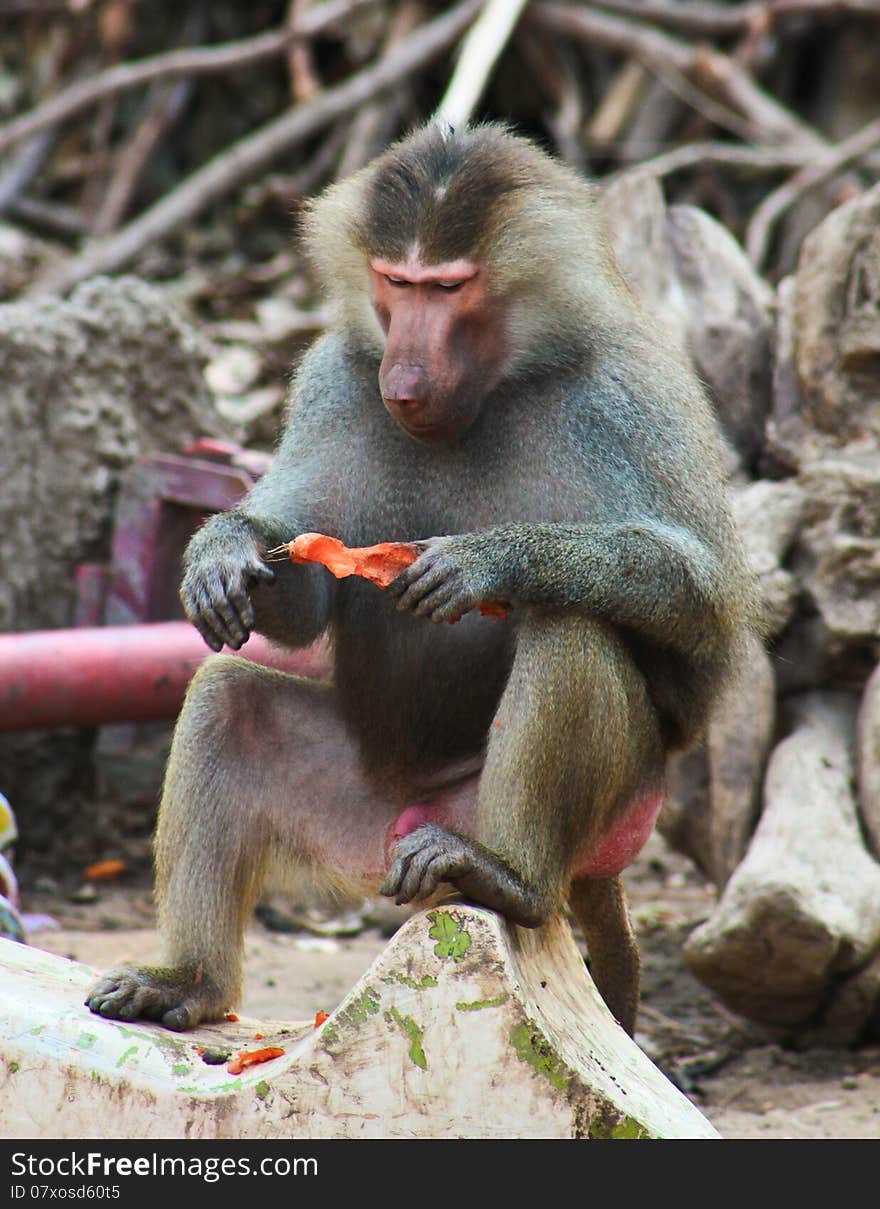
<point>178,998</point>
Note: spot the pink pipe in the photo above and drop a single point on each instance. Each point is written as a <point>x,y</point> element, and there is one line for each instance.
<point>128,673</point>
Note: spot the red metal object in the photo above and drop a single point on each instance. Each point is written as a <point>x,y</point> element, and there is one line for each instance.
<point>125,673</point>
<point>163,498</point>
<point>128,659</point>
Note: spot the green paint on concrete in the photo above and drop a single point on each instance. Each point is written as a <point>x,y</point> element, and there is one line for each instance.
<point>452,940</point>
<point>86,1040</point>
<point>124,1057</point>
<point>173,1050</point>
<point>13,1067</point>
<point>628,1129</point>
<point>360,1009</point>
<point>35,1032</point>
<point>624,1128</point>
<point>353,1015</point>
<point>423,985</point>
<point>262,1089</point>
<point>533,1048</point>
<point>477,1005</point>
<point>415,1034</point>
<point>170,1047</point>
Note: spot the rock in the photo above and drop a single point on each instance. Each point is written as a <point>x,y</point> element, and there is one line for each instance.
<point>85,893</point>
<point>802,911</point>
<point>837,320</point>
<point>740,736</point>
<point>790,440</point>
<point>88,385</point>
<point>685,819</point>
<point>233,370</point>
<point>808,657</point>
<point>852,1014</point>
<point>785,424</point>
<point>769,516</point>
<point>868,762</point>
<point>697,280</point>
<point>838,555</point>
<point>779,593</point>
<point>635,213</point>
<point>22,257</point>
<point>255,416</point>
<point>714,789</point>
<point>728,311</point>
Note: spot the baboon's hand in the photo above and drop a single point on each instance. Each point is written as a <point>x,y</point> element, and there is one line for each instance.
<point>433,854</point>
<point>220,574</point>
<point>452,576</point>
<point>422,860</point>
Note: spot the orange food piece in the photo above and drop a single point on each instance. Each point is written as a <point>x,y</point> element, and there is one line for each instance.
<point>258,1036</point>
<point>231,1016</point>
<point>320,1017</point>
<point>380,564</point>
<point>253,1058</point>
<point>105,871</point>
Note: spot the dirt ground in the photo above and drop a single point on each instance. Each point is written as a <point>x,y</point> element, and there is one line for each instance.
<point>746,1085</point>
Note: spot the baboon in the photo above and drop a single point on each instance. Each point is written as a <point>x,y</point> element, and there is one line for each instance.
<point>491,389</point>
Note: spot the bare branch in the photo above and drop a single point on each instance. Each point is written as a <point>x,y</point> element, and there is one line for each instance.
<point>711,20</point>
<point>203,60</point>
<point>52,217</point>
<point>556,71</point>
<point>479,54</point>
<point>374,125</point>
<point>812,174</point>
<point>711,71</point>
<point>300,65</point>
<point>254,153</point>
<point>696,155</point>
<point>163,109</point>
<point>42,8</point>
<point>712,111</point>
<point>615,109</point>
<point>24,166</point>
